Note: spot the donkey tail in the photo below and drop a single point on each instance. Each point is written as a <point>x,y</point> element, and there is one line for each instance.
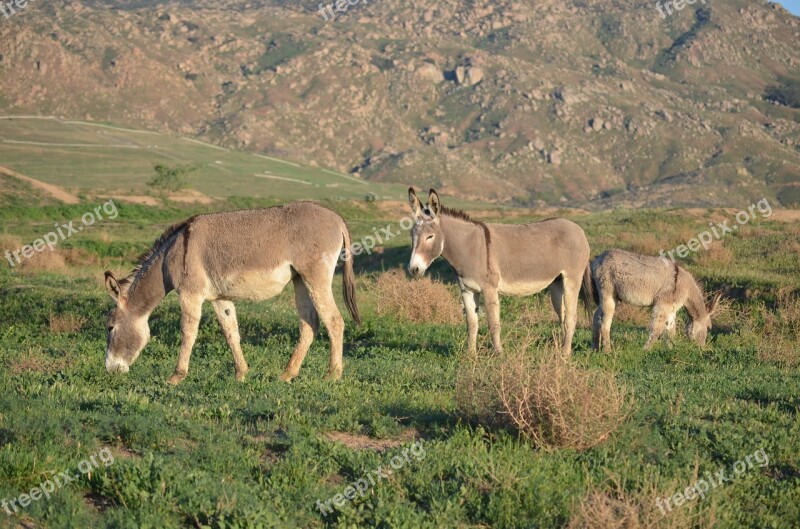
<point>349,278</point>
<point>588,291</point>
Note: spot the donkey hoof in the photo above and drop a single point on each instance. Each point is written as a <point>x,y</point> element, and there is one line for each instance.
<point>286,376</point>
<point>175,379</point>
<point>334,375</point>
<point>240,376</point>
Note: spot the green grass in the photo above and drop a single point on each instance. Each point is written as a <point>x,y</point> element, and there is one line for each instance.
<point>212,452</point>
<point>99,156</point>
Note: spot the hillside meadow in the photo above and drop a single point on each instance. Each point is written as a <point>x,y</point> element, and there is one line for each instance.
<point>213,452</point>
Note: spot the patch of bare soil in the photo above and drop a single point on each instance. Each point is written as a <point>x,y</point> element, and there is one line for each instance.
<point>37,364</point>
<point>365,442</point>
<point>191,196</point>
<point>55,191</point>
<point>142,200</point>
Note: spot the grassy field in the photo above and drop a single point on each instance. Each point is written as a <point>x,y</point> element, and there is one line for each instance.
<point>212,452</point>
<point>100,156</point>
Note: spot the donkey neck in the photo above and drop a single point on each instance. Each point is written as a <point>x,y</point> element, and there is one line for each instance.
<point>695,304</point>
<point>464,246</point>
<point>148,287</point>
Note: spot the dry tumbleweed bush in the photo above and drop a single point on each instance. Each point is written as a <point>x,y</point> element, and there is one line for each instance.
<point>617,510</point>
<point>548,398</point>
<point>418,300</point>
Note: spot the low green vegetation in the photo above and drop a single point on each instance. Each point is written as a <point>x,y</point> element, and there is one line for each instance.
<point>212,452</point>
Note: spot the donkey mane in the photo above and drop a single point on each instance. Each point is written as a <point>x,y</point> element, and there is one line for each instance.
<point>145,260</point>
<point>462,215</point>
<point>457,213</point>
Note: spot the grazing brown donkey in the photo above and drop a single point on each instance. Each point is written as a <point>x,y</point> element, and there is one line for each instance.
<point>222,257</point>
<point>494,259</point>
<point>646,281</point>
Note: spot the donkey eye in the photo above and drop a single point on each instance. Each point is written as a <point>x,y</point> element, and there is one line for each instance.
<point>429,237</point>
<point>110,328</point>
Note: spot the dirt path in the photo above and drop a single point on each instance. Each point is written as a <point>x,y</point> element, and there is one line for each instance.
<point>52,190</point>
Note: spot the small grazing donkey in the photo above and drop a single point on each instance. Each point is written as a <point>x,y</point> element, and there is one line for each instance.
<point>221,257</point>
<point>494,259</point>
<point>645,281</point>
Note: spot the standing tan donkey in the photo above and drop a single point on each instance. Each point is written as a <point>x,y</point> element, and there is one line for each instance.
<point>494,259</point>
<point>222,257</point>
<point>645,281</point>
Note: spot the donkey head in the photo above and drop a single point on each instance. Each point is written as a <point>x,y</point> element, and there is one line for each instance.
<point>427,239</point>
<point>128,333</point>
<point>698,328</point>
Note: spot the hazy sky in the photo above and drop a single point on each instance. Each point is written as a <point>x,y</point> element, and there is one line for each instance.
<point>792,5</point>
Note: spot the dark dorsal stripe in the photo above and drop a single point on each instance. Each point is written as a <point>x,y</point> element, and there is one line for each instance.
<point>487,235</point>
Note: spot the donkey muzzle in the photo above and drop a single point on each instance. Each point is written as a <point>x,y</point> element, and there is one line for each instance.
<point>417,267</point>
<point>114,365</point>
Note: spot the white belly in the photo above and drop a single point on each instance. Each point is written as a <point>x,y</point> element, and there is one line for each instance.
<point>522,288</point>
<point>255,285</point>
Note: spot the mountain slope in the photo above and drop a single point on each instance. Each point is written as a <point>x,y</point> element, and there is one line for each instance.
<point>591,102</point>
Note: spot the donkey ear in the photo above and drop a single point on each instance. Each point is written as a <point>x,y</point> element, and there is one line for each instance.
<point>112,285</point>
<point>413,201</point>
<point>433,202</point>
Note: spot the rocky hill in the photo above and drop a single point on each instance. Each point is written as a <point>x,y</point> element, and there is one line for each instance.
<point>577,102</point>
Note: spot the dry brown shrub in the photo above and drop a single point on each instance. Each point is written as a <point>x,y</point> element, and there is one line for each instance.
<point>780,332</point>
<point>717,254</point>
<point>644,243</point>
<point>9,242</point>
<point>549,399</point>
<point>613,508</point>
<point>37,362</point>
<point>630,313</point>
<point>57,260</point>
<point>66,323</point>
<point>45,261</point>
<point>417,300</point>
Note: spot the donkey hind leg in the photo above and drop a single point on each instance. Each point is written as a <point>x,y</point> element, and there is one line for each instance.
<point>191,310</point>
<point>657,326</point>
<point>470,300</point>
<point>570,299</point>
<point>309,325</point>
<point>319,285</point>
<point>491,300</point>
<point>226,316</point>
<point>606,308</point>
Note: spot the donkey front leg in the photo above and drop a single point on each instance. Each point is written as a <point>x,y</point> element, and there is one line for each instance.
<point>606,308</point>
<point>492,302</point>
<point>657,326</point>
<point>226,315</point>
<point>191,310</point>
<point>597,322</point>
<point>671,327</point>
<point>470,300</point>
